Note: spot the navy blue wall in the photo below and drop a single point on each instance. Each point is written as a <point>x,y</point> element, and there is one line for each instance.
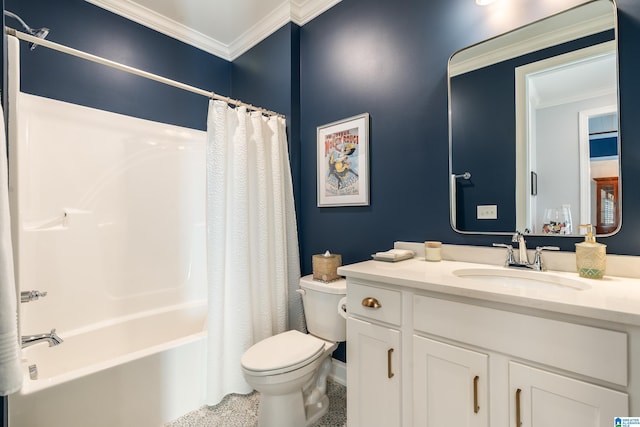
<point>390,60</point>
<point>268,75</point>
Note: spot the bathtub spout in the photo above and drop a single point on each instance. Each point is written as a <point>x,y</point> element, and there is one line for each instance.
<point>52,338</point>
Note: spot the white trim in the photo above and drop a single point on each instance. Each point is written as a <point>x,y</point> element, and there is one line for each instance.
<point>585,160</point>
<point>164,25</point>
<point>303,11</point>
<point>297,11</point>
<point>338,372</point>
<point>254,35</point>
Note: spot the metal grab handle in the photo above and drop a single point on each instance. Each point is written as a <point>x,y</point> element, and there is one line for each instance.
<point>476,407</point>
<point>518,417</point>
<point>371,302</point>
<point>390,373</point>
<point>466,175</point>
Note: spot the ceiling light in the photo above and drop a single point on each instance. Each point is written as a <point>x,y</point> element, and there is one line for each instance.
<point>484,2</point>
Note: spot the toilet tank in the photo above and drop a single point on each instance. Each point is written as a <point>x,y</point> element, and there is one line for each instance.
<point>320,302</point>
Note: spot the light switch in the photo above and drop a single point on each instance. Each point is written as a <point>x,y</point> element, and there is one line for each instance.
<point>487,212</point>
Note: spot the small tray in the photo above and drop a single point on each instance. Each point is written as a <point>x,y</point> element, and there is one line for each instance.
<point>399,258</point>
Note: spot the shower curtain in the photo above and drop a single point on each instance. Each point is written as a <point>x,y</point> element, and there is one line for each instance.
<point>10,372</point>
<point>253,265</point>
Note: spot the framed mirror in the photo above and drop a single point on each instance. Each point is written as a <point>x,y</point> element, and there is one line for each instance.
<point>533,127</point>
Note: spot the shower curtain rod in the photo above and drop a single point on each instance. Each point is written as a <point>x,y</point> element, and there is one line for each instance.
<point>80,54</point>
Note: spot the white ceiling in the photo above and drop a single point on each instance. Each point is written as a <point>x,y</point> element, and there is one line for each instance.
<point>225,28</point>
<point>575,82</point>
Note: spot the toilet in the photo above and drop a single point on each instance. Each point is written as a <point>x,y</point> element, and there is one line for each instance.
<point>290,369</point>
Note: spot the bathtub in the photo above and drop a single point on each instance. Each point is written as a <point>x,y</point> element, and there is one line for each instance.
<point>138,371</point>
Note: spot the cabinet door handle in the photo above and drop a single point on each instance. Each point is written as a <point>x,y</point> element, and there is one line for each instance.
<point>518,417</point>
<point>476,408</point>
<point>371,302</point>
<point>389,365</point>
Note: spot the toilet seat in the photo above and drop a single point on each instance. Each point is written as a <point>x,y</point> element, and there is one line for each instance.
<point>282,353</point>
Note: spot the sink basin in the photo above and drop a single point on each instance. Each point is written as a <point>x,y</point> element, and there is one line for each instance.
<point>511,278</point>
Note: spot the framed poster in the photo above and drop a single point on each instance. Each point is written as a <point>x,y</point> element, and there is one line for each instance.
<point>343,162</point>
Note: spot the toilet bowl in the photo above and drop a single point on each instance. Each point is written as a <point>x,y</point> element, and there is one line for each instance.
<point>290,369</point>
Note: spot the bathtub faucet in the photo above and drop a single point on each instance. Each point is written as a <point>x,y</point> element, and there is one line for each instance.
<point>52,338</point>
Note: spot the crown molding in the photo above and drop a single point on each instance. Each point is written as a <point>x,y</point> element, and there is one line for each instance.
<point>263,29</point>
<point>303,11</point>
<point>297,11</point>
<point>164,25</point>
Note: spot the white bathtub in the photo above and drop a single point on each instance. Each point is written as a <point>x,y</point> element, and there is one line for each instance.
<point>139,371</point>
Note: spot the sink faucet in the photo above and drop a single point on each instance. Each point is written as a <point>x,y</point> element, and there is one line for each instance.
<point>52,338</point>
<point>523,259</point>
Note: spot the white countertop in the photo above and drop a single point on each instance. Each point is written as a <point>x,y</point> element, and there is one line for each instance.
<point>614,299</point>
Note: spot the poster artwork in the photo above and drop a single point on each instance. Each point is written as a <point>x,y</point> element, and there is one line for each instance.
<point>341,157</point>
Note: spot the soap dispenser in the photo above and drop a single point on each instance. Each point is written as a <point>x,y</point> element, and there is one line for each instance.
<point>591,257</point>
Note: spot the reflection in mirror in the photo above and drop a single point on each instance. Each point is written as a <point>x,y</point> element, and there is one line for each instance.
<point>534,122</point>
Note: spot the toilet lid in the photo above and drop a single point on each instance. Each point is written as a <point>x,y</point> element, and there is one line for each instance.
<point>290,349</point>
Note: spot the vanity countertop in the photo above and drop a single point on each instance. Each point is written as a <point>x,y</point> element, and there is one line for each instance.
<point>614,299</point>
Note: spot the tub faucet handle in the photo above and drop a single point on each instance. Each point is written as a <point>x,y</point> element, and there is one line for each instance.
<point>28,296</point>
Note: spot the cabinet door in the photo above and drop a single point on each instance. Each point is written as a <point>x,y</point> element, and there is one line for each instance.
<point>540,398</point>
<point>450,385</point>
<point>373,375</point>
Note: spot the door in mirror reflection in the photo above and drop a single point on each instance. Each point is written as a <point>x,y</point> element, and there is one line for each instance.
<point>567,104</point>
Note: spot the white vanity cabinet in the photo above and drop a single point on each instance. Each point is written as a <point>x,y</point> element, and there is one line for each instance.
<point>542,398</point>
<point>427,359</point>
<point>374,355</point>
<point>449,383</point>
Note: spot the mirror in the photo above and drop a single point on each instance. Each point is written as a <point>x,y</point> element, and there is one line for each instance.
<point>533,127</point>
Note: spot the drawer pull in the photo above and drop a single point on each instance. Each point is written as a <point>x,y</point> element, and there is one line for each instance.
<point>389,366</point>
<point>371,302</point>
<point>476,408</point>
<point>518,417</point>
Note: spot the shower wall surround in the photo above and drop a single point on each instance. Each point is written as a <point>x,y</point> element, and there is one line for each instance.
<point>103,235</point>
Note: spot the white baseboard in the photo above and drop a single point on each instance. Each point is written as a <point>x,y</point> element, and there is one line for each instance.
<point>338,372</point>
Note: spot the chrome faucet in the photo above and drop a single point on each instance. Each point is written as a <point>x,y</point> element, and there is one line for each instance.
<point>52,338</point>
<point>523,259</point>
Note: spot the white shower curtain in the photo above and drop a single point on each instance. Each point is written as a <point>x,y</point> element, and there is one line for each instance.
<point>253,262</point>
<point>10,372</point>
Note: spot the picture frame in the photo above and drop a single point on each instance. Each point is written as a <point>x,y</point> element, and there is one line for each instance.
<point>343,162</point>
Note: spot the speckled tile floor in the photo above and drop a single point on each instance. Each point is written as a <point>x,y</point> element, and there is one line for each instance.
<point>242,411</point>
